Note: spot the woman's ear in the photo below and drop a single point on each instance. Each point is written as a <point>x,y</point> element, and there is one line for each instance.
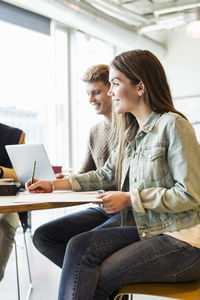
<point>141,88</point>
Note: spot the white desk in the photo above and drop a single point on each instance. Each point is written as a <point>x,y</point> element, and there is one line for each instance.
<point>25,201</point>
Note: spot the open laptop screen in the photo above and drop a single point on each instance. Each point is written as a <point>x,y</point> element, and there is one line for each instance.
<point>22,158</point>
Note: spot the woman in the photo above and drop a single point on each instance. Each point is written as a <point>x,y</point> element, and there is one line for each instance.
<point>156,168</point>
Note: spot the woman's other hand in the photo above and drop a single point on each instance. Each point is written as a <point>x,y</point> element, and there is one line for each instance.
<point>113,202</point>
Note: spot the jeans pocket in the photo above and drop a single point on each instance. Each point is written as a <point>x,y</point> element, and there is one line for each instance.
<point>188,273</point>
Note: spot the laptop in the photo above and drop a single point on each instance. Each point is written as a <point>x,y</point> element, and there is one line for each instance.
<point>22,158</point>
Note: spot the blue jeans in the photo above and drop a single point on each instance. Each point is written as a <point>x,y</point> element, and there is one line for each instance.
<point>51,238</point>
<point>98,263</point>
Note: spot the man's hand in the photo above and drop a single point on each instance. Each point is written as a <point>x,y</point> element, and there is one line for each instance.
<point>60,176</point>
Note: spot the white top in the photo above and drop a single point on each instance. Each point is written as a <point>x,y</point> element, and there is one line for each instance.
<point>190,235</point>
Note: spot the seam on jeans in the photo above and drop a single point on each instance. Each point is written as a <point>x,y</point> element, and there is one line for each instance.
<point>75,278</point>
<point>144,262</point>
<point>83,255</point>
<point>196,262</point>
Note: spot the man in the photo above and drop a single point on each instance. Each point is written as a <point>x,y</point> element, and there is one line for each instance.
<point>9,221</point>
<point>51,238</point>
<point>100,142</point>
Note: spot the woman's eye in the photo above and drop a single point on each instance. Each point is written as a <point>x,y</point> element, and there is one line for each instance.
<point>115,83</point>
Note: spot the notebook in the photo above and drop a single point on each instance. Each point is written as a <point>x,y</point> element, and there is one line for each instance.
<point>22,158</point>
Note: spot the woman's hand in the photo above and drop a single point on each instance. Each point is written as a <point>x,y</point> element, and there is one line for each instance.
<point>39,186</point>
<point>113,202</point>
<point>44,186</point>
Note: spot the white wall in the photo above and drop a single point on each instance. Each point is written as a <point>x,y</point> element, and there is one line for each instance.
<point>182,64</point>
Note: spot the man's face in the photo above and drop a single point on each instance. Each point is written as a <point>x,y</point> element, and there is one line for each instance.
<point>97,92</point>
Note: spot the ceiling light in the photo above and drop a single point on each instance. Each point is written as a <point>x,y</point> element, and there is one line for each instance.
<point>193,29</point>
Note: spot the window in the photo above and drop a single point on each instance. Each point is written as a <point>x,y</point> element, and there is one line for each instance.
<point>33,78</point>
<point>42,92</point>
<point>89,51</point>
<point>25,76</point>
<point>60,123</point>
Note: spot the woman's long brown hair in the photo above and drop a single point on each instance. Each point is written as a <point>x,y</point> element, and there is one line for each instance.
<point>140,65</point>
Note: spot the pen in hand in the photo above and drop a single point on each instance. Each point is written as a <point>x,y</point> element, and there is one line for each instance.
<point>33,174</point>
<point>38,189</point>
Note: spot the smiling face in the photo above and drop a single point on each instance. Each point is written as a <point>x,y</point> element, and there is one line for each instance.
<point>126,96</point>
<point>97,92</point>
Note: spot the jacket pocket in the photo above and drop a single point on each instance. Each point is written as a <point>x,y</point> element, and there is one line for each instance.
<point>154,162</point>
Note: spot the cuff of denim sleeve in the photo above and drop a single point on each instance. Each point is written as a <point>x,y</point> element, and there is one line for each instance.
<point>136,201</point>
<point>74,183</point>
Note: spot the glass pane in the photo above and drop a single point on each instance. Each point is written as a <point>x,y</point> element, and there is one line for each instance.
<point>60,113</point>
<point>25,76</point>
<point>89,51</point>
<point>33,86</point>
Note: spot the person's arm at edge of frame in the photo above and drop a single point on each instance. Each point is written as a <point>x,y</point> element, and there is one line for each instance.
<point>10,172</point>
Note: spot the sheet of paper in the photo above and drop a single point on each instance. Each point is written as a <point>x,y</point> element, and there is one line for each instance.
<point>57,196</point>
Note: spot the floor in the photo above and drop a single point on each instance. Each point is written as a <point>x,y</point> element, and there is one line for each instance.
<point>45,275</point>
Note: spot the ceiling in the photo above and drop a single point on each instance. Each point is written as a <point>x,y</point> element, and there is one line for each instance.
<point>147,17</point>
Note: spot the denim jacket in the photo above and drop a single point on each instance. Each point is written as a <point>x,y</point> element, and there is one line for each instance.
<point>163,167</point>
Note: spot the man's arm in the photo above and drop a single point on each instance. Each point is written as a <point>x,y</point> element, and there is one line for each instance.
<point>10,172</point>
<point>88,163</point>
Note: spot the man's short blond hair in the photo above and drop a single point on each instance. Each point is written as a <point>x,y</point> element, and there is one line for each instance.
<point>97,73</point>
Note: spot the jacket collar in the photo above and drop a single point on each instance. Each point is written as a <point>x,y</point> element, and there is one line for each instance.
<point>149,124</point>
